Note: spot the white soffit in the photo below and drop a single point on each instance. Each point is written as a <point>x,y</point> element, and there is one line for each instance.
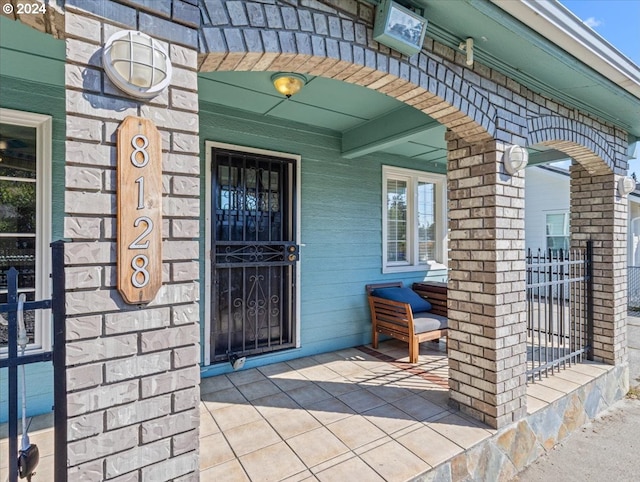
<point>559,25</point>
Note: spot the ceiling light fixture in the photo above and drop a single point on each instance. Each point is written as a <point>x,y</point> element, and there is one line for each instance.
<point>288,84</point>
<point>515,158</point>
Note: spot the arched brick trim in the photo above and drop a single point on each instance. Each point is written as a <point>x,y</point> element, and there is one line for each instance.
<point>579,141</point>
<point>252,36</point>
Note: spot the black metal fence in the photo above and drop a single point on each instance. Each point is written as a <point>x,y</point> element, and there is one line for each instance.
<point>13,360</point>
<point>559,309</point>
<point>633,290</point>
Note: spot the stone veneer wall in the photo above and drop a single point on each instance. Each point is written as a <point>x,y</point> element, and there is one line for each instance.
<point>132,371</point>
<point>519,444</point>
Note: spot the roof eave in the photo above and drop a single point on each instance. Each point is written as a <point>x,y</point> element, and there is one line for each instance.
<point>559,25</point>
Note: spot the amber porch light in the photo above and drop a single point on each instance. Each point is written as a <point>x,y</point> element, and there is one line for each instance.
<point>288,84</point>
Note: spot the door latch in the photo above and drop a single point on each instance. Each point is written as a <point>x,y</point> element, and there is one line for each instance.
<point>293,253</point>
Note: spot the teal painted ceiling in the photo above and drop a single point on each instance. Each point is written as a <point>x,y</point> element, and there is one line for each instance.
<point>328,104</point>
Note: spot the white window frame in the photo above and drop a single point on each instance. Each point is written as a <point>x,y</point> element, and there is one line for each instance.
<point>566,226</point>
<point>43,126</point>
<point>412,177</point>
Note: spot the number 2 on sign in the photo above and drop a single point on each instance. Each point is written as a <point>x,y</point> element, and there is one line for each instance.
<point>137,243</point>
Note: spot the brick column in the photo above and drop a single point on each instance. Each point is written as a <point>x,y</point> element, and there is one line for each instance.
<point>600,214</point>
<point>487,317</point>
<point>132,371</point>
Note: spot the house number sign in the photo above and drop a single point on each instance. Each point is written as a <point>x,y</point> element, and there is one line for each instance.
<point>139,214</point>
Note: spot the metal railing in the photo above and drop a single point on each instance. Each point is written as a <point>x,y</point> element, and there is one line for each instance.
<point>559,309</point>
<point>633,290</point>
<point>13,360</point>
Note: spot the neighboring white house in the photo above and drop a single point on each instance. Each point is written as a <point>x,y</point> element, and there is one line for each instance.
<point>547,212</point>
<point>633,254</point>
<point>547,219</point>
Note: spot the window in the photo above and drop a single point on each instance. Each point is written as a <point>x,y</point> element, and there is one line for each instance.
<point>558,236</point>
<point>413,213</point>
<point>25,216</point>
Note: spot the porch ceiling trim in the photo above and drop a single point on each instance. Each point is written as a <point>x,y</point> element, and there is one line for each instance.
<point>385,131</point>
<point>543,157</point>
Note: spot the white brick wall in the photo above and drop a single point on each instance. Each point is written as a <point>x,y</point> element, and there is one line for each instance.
<point>132,371</point>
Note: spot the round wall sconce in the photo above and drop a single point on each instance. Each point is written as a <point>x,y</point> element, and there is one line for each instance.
<point>515,158</point>
<point>136,63</point>
<point>288,84</point>
<point>626,185</point>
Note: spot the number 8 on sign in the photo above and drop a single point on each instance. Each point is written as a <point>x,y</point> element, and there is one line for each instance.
<point>139,149</point>
<point>139,210</point>
<point>139,263</point>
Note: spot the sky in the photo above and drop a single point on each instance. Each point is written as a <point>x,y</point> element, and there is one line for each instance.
<point>618,21</point>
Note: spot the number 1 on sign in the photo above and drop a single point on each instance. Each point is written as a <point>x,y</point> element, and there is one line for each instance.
<point>140,183</point>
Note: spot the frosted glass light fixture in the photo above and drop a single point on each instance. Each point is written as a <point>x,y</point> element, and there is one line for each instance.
<point>136,63</point>
<point>515,158</point>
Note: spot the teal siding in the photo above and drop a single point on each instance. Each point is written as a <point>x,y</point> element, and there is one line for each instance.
<point>39,378</point>
<point>341,224</point>
<point>35,83</point>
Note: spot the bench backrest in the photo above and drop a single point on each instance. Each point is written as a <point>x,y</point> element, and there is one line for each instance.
<point>435,293</point>
<point>375,286</point>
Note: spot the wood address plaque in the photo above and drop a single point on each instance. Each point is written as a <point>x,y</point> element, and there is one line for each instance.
<point>139,210</point>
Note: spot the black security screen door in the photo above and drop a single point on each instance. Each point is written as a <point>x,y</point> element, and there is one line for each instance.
<point>254,254</point>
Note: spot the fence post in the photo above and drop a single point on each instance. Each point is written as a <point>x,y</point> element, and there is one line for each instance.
<point>12,302</point>
<point>589,294</point>
<point>59,362</point>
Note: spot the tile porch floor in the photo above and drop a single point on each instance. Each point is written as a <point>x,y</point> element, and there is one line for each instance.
<point>332,416</point>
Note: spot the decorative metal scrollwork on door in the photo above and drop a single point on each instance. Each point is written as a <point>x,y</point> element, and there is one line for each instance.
<point>254,254</point>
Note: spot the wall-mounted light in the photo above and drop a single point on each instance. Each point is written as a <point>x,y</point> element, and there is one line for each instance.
<point>288,84</point>
<point>626,185</point>
<point>515,158</point>
<point>399,28</point>
<point>136,63</point>
<point>467,47</point>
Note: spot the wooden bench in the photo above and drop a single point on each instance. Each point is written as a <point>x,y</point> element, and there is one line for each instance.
<point>436,293</point>
<point>396,319</point>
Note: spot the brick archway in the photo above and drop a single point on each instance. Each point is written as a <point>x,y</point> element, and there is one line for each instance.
<point>598,214</point>
<point>282,38</point>
<point>579,141</point>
